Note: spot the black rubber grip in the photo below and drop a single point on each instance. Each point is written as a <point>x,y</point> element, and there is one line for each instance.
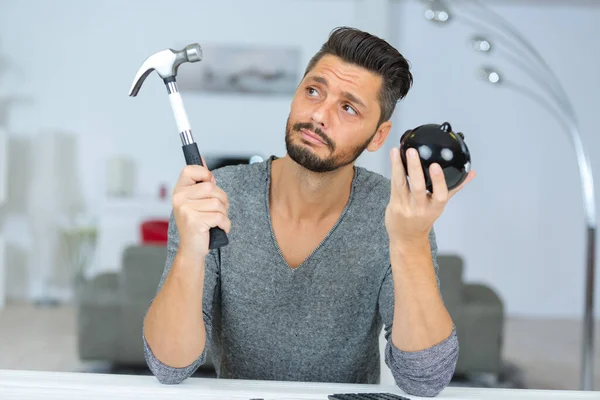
<point>218,237</point>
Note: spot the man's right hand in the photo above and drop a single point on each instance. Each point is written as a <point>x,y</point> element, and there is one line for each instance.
<point>174,325</point>
<point>198,205</point>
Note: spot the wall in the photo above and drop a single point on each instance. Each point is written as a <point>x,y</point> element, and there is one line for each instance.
<point>77,61</point>
<point>86,55</point>
<point>520,223</point>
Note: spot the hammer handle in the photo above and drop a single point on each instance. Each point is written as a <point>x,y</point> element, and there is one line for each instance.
<point>218,237</point>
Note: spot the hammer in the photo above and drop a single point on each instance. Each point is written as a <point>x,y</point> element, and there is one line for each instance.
<point>166,63</point>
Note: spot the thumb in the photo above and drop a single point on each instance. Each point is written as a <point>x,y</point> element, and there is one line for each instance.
<point>212,176</point>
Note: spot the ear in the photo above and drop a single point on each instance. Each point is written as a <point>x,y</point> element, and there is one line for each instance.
<point>379,138</point>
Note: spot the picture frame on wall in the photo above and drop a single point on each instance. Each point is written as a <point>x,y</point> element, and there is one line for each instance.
<point>259,70</point>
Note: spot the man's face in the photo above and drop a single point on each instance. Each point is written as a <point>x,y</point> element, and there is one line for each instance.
<point>334,115</point>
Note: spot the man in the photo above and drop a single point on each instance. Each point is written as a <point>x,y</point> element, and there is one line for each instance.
<point>322,253</point>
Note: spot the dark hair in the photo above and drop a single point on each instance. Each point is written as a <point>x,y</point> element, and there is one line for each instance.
<point>374,54</point>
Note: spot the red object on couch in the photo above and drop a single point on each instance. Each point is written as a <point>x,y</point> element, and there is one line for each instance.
<point>155,232</point>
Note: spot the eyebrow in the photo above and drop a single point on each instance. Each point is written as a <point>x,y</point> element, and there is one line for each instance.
<point>348,95</point>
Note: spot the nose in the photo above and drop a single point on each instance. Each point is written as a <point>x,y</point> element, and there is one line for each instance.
<point>320,115</point>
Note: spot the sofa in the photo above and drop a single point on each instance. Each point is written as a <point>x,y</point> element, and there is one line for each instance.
<point>111,308</point>
<point>478,314</point>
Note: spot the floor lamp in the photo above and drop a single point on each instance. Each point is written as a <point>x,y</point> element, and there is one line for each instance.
<point>560,107</point>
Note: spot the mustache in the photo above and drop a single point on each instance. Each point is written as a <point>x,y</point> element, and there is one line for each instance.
<point>298,126</point>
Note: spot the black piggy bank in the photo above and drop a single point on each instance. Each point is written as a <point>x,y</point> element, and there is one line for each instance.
<point>438,144</point>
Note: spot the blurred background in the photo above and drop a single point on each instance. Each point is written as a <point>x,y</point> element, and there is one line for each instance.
<point>86,171</point>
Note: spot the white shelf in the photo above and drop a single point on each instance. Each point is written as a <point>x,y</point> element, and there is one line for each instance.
<point>148,205</point>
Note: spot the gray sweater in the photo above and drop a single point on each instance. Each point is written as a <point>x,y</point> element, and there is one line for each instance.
<point>319,322</point>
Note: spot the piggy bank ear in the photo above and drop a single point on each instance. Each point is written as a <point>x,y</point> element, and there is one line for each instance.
<point>445,127</point>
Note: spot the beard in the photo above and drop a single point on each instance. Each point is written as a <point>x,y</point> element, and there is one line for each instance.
<point>312,161</point>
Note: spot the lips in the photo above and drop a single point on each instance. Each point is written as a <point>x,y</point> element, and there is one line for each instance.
<point>312,137</point>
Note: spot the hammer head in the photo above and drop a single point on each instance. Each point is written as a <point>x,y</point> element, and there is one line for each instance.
<point>165,63</point>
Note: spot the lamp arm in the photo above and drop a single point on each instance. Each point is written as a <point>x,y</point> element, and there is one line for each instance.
<point>585,170</point>
<point>563,102</point>
<point>534,73</point>
<point>589,202</point>
<point>504,26</point>
<point>585,173</point>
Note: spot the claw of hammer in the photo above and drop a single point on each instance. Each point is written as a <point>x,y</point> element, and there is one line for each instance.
<point>165,63</point>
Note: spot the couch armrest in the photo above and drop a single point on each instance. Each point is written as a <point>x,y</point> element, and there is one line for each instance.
<point>450,275</point>
<point>480,330</point>
<point>98,315</point>
<point>99,288</point>
<point>141,269</point>
<point>479,294</point>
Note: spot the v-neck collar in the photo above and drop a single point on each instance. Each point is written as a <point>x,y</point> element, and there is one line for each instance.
<point>270,222</point>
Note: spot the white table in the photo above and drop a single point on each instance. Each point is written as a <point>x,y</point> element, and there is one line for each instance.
<point>22,385</point>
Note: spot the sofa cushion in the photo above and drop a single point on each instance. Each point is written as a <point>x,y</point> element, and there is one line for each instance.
<point>141,269</point>
<point>451,282</point>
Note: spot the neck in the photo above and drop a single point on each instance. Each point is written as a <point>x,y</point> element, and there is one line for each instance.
<point>300,195</point>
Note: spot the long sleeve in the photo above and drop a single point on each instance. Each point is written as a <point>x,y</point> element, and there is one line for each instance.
<point>165,373</point>
<point>420,373</point>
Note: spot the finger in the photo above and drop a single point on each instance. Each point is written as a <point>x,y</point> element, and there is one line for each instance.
<point>214,219</point>
<point>223,222</point>
<point>209,212</point>
<point>204,190</point>
<point>212,176</point>
<point>192,174</point>
<point>399,182</point>
<point>415,174</point>
<point>439,185</point>
<point>207,205</point>
<point>470,176</point>
<point>200,191</point>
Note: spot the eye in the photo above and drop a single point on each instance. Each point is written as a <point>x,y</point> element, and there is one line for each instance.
<point>352,110</point>
<point>311,89</point>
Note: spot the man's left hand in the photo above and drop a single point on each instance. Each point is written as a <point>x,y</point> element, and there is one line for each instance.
<point>412,210</point>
